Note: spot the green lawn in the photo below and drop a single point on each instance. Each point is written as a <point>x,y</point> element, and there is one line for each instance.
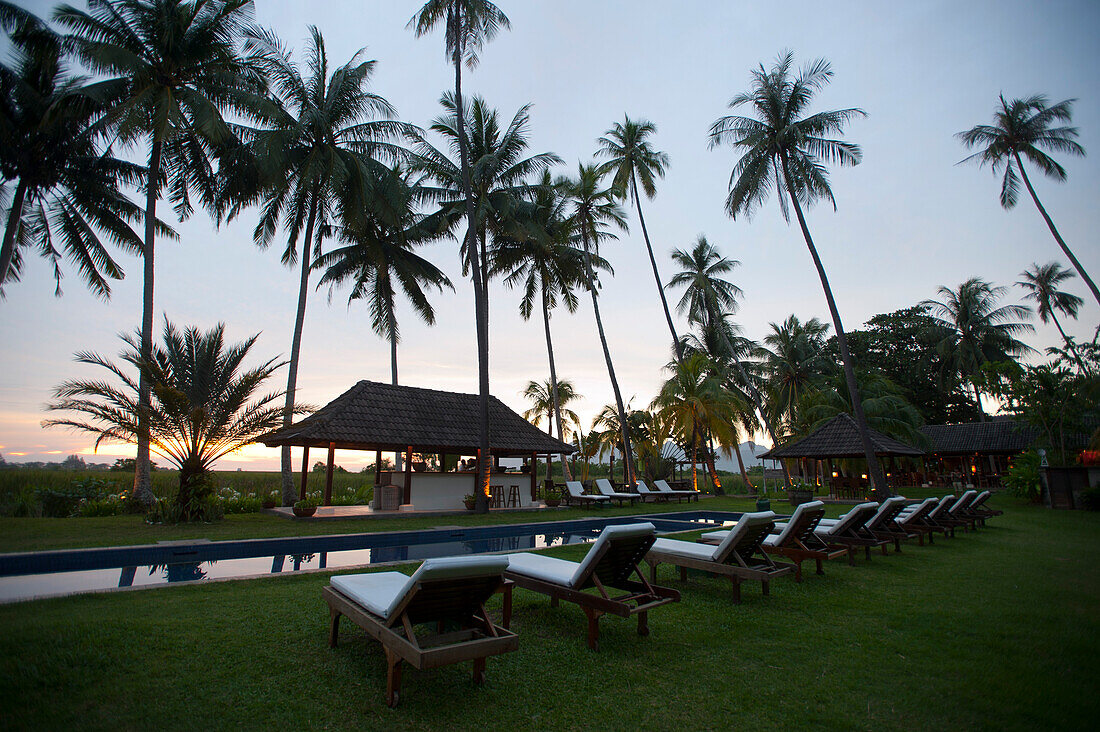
<point>997,629</point>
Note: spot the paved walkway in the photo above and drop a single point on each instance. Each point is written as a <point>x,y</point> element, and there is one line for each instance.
<point>368,512</point>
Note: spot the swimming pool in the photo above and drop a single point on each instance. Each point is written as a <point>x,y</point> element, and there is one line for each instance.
<point>42,574</point>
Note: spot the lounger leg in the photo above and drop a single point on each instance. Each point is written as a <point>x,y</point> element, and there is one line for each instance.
<point>798,571</point>
<point>479,670</point>
<point>736,590</point>
<point>683,574</point>
<point>851,557</point>
<point>553,602</point>
<point>897,546</point>
<point>507,612</point>
<point>766,586</point>
<point>393,678</point>
<point>643,624</point>
<point>867,551</point>
<point>653,572</point>
<point>820,569</point>
<point>920,539</point>
<point>593,628</point>
<point>334,627</point>
<point>885,550</point>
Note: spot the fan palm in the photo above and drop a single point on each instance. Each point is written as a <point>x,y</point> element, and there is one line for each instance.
<point>1021,129</point>
<point>592,210</point>
<point>633,161</point>
<point>66,188</point>
<point>974,330</point>
<point>169,69</point>
<point>1041,284</point>
<point>787,148</point>
<point>205,405</point>
<point>378,257</point>
<point>321,136</point>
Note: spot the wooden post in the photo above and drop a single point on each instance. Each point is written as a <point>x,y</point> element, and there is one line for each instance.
<point>328,473</point>
<point>534,477</point>
<point>407,498</point>
<point>305,472</point>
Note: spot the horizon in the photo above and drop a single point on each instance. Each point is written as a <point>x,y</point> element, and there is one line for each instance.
<point>909,218</point>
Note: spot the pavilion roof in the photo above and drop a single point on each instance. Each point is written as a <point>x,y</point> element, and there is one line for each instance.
<point>387,417</point>
<point>839,438</point>
<point>999,435</point>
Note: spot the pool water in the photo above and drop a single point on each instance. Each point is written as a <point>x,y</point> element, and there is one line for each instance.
<point>38,574</point>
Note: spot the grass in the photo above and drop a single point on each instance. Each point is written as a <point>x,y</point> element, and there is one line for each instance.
<point>996,629</point>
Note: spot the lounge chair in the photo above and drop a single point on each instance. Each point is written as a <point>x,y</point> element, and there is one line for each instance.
<point>645,493</point>
<point>956,512</point>
<point>882,524</point>
<point>387,605</point>
<point>574,493</point>
<point>664,487</point>
<point>940,518</point>
<point>849,531</point>
<point>603,485</point>
<point>914,520</point>
<point>609,564</point>
<point>738,557</point>
<point>979,507</point>
<point>796,539</point>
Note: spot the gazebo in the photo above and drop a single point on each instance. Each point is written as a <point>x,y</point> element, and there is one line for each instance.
<point>839,439</point>
<point>960,448</point>
<point>404,419</point>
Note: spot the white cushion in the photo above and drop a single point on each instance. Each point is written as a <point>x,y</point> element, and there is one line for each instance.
<point>378,592</point>
<point>920,509</point>
<point>611,533</point>
<point>787,527</point>
<point>831,527</point>
<point>718,535</point>
<point>684,548</point>
<point>642,487</point>
<point>539,566</point>
<point>603,485</point>
<point>746,522</point>
<point>574,487</point>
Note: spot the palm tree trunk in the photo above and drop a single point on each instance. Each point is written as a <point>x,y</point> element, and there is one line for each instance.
<point>553,388</point>
<point>741,467</point>
<point>877,479</point>
<point>287,468</point>
<point>713,468</point>
<point>7,251</point>
<point>694,466</point>
<point>481,308</point>
<point>1053,230</point>
<point>397,455</point>
<point>656,274</point>
<point>758,402</point>
<point>624,426</point>
<point>143,489</point>
<point>1069,344</point>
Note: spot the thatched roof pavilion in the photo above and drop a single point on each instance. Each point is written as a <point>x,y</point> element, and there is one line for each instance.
<point>839,438</point>
<point>406,419</point>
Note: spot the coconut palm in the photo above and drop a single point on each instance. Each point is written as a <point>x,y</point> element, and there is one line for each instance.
<point>318,146</point>
<point>378,258</point>
<point>205,404</point>
<point>539,257</point>
<point>592,210</point>
<point>168,70</point>
<point>468,25</point>
<point>787,148</point>
<point>797,362</point>
<point>66,188</point>
<point>633,161</point>
<point>1022,129</point>
<point>550,400</point>
<point>974,330</point>
<point>1041,285</point>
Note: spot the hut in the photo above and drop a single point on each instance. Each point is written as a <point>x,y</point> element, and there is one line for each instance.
<point>975,452</point>
<point>839,439</point>
<point>425,422</point>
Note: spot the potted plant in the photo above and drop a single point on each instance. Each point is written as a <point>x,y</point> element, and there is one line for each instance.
<point>763,504</point>
<point>469,501</point>
<point>800,493</point>
<point>268,501</point>
<point>550,496</point>
<point>305,507</point>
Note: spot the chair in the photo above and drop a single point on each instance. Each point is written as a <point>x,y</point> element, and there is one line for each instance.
<point>914,519</point>
<point>664,487</point>
<point>574,493</point>
<point>979,507</point>
<point>956,512</point>
<point>644,492</point>
<point>603,485</point>
<point>387,605</point>
<point>513,496</point>
<point>940,519</point>
<point>881,524</point>
<point>610,562</point>
<point>738,557</point>
<point>849,531</point>
<point>796,539</point>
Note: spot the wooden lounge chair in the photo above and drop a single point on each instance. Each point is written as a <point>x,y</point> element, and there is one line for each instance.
<point>603,485</point>
<point>664,487</point>
<point>939,517</point>
<point>453,590</point>
<point>738,557</point>
<point>646,494</point>
<point>609,564</point>
<point>574,494</point>
<point>956,511</point>
<point>796,539</point>
<point>882,523</point>
<point>849,531</point>
<point>914,520</point>
<point>979,507</point>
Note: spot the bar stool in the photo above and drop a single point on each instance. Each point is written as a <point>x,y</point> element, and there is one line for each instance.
<point>513,496</point>
<point>497,492</point>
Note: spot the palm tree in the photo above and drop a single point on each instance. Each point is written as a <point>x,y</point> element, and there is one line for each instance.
<point>541,259</point>
<point>974,330</point>
<point>169,69</point>
<point>550,400</point>
<point>469,24</point>
<point>66,188</point>
<point>632,160</point>
<point>593,209</point>
<point>1022,127</point>
<point>320,136</point>
<point>1041,284</point>
<point>378,258</point>
<point>787,149</point>
<point>708,298</point>
<point>205,405</point>
<point>796,363</point>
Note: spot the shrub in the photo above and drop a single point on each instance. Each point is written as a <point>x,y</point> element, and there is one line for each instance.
<point>241,504</point>
<point>1022,479</point>
<point>1090,499</point>
<point>167,511</point>
<point>110,506</point>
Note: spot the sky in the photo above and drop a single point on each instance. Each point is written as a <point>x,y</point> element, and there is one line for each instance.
<point>908,219</point>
